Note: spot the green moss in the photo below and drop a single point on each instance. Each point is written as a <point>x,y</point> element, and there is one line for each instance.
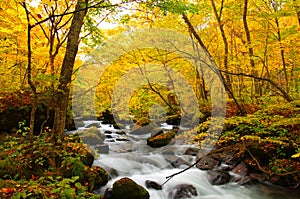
<point>161,139</point>
<point>126,188</point>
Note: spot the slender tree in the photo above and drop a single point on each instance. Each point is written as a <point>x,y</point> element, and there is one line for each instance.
<point>62,94</point>
<point>250,47</point>
<point>224,38</point>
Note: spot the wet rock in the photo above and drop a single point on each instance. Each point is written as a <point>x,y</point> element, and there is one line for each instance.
<point>109,136</point>
<point>119,126</point>
<point>141,130</point>
<point>258,177</point>
<point>246,180</point>
<point>108,194</point>
<point>96,177</point>
<point>97,125</point>
<point>161,139</point>
<point>121,132</point>
<point>107,132</point>
<point>289,181</point>
<point>230,155</point>
<point>208,163</point>
<point>183,191</point>
<point>91,139</point>
<point>96,131</point>
<point>192,151</point>
<point>173,119</point>
<point>156,131</point>
<point>168,151</point>
<point>153,185</point>
<point>175,161</point>
<point>87,159</point>
<point>125,188</point>
<point>240,169</point>
<point>102,148</point>
<point>218,177</point>
<point>122,139</point>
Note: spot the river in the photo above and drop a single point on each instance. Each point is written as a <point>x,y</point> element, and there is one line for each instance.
<point>136,160</point>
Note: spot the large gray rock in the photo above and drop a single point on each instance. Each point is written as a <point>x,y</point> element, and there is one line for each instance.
<point>183,191</point>
<point>218,177</point>
<point>208,163</point>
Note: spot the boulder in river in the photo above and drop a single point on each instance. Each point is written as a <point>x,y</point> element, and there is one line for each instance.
<point>161,139</point>
<point>208,163</point>
<point>91,139</point>
<point>183,191</point>
<point>240,169</point>
<point>192,151</point>
<point>153,185</point>
<point>87,159</point>
<point>142,130</point>
<point>175,161</point>
<point>218,177</point>
<point>156,131</point>
<point>95,124</point>
<point>96,131</point>
<point>121,132</point>
<point>119,126</point>
<point>102,148</point>
<point>125,188</point>
<point>96,177</point>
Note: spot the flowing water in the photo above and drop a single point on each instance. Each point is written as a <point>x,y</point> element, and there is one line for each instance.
<point>136,160</point>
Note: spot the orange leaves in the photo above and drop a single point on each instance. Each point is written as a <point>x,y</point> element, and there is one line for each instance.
<point>7,192</point>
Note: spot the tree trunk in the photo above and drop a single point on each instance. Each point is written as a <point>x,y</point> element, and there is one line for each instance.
<point>29,76</point>
<point>224,38</point>
<point>282,52</point>
<point>63,91</point>
<point>250,48</point>
<point>241,110</point>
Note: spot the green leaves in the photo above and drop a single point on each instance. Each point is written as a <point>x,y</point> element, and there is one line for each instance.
<point>175,7</point>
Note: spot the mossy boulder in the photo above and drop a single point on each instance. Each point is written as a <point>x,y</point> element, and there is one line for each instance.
<point>96,177</point>
<point>160,140</point>
<point>91,139</point>
<point>125,188</point>
<point>87,159</point>
<point>96,131</point>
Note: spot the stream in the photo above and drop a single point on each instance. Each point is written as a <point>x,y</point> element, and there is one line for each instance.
<point>131,157</point>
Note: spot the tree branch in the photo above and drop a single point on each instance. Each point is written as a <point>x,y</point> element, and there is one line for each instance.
<point>284,94</point>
